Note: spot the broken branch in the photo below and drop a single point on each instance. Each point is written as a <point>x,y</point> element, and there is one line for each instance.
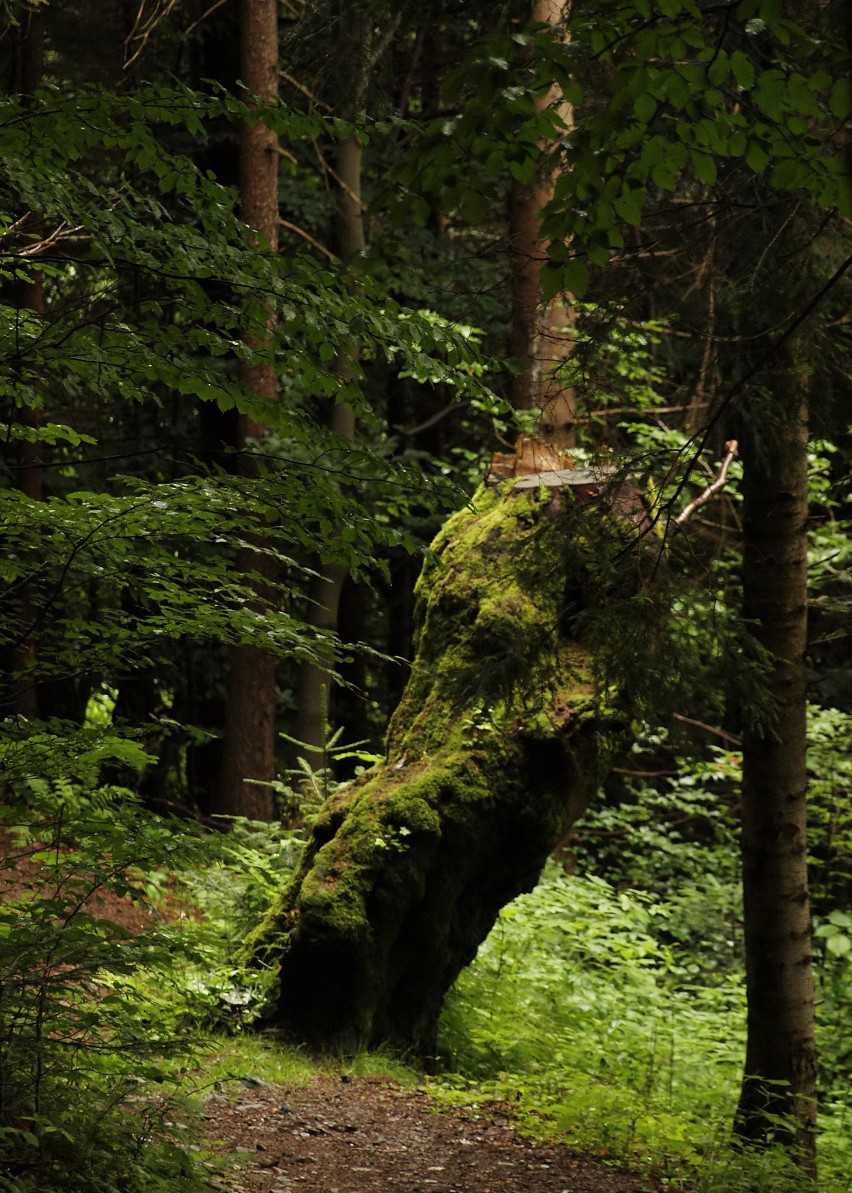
<point>711,490</point>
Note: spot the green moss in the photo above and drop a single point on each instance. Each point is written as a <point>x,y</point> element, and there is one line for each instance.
<point>488,607</point>
<point>492,751</point>
<point>488,599</point>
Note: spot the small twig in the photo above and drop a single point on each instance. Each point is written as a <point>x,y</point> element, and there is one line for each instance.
<point>204,16</point>
<point>723,733</point>
<point>347,190</point>
<point>609,412</point>
<point>383,43</point>
<point>433,418</point>
<point>711,490</point>
<point>144,26</point>
<point>303,90</point>
<point>18,225</point>
<point>699,441</point>
<point>41,246</point>
<point>643,774</point>
<point>307,236</point>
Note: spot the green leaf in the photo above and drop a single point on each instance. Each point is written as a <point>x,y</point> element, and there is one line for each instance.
<point>629,205</point>
<point>789,174</point>
<point>551,281</point>
<point>839,945</point>
<point>743,70</point>
<point>523,171</point>
<point>840,99</point>
<point>769,93</point>
<point>704,165</point>
<point>474,207</point>
<point>756,157</point>
<point>575,275</point>
<point>717,71</point>
<point>645,107</point>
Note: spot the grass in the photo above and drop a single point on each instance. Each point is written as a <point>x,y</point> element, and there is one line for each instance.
<point>579,1016</point>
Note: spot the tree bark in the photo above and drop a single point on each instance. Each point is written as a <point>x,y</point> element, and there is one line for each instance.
<point>314,687</point>
<point>248,761</point>
<point>30,465</point>
<point>494,750</point>
<point>537,336</point>
<point>780,1066</point>
<point>315,679</point>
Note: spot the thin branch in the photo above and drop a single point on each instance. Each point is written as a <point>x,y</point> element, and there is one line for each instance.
<point>204,16</point>
<point>307,236</point>
<point>731,738</point>
<point>711,490</point>
<point>18,225</point>
<point>434,418</point>
<point>303,90</point>
<point>615,410</point>
<point>144,26</point>
<point>356,199</point>
<point>41,246</point>
<point>699,440</point>
<point>643,774</point>
<point>383,43</point>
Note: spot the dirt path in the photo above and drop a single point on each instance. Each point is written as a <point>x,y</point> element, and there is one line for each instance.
<point>368,1135</point>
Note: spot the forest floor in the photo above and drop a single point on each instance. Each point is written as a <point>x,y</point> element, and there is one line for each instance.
<point>370,1135</point>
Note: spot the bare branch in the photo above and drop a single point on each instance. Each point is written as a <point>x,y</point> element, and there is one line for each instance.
<point>39,247</point>
<point>204,16</point>
<point>144,25</point>
<point>303,90</point>
<point>307,236</point>
<point>731,738</point>
<point>711,490</point>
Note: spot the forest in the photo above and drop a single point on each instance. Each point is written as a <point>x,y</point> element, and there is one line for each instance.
<point>426,577</point>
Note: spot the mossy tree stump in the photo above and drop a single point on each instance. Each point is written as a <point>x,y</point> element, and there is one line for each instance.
<point>493,752</point>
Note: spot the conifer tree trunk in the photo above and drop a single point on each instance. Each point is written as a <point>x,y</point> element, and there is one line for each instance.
<point>30,467</point>
<point>314,684</point>
<point>537,334</point>
<point>249,741</point>
<point>780,1066</point>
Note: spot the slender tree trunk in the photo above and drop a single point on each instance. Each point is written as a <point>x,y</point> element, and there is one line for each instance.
<point>314,685</point>
<point>780,1066</point>
<point>249,746</point>
<point>24,694</point>
<point>537,336</point>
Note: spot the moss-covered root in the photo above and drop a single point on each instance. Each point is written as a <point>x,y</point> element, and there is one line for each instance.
<point>494,750</point>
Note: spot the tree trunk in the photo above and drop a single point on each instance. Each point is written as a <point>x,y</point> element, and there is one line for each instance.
<point>248,761</point>
<point>493,752</point>
<point>537,336</point>
<point>315,679</point>
<point>30,467</point>
<point>780,1067</point>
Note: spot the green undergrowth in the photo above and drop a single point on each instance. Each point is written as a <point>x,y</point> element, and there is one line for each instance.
<point>575,1014</point>
<point>95,1080</point>
<point>608,1012</point>
<point>116,986</point>
<point>263,1059</point>
<point>605,1010</point>
<point>112,1037</point>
